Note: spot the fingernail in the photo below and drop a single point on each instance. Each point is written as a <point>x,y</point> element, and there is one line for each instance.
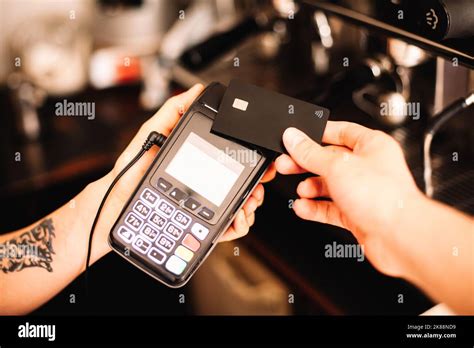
<point>292,137</point>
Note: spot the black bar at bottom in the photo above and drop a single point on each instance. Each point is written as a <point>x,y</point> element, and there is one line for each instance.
<point>452,330</point>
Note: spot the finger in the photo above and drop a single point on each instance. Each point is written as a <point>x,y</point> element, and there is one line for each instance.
<point>259,193</point>
<point>168,115</point>
<point>228,235</point>
<point>250,206</point>
<point>241,226</point>
<point>269,174</point>
<point>320,211</point>
<point>338,149</point>
<point>285,165</point>
<point>251,219</point>
<point>316,186</point>
<point>163,121</point>
<point>140,168</point>
<point>313,187</point>
<point>344,133</point>
<point>307,153</point>
<point>238,229</point>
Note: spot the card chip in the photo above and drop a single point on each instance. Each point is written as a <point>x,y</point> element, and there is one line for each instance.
<point>240,104</point>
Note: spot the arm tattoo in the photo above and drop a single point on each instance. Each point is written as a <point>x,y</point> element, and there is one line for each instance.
<point>33,248</point>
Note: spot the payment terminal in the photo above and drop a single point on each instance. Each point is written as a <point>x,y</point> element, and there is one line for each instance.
<point>188,197</point>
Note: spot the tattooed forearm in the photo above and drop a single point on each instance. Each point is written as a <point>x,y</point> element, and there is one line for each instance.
<point>31,249</point>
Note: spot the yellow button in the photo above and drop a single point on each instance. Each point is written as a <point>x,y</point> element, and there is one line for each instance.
<point>184,253</point>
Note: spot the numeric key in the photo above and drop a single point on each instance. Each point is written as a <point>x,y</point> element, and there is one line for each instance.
<point>165,243</point>
<point>149,232</point>
<point>133,221</point>
<point>149,197</point>
<point>181,219</point>
<point>141,244</point>
<point>174,231</point>
<point>142,209</point>
<point>158,220</point>
<point>165,208</point>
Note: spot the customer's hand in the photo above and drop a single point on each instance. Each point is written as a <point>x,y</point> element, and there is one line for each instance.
<point>365,175</point>
<point>164,121</point>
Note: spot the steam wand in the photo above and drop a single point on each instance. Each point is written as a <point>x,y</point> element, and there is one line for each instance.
<point>438,120</point>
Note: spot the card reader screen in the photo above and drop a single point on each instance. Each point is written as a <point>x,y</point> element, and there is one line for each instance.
<point>205,169</point>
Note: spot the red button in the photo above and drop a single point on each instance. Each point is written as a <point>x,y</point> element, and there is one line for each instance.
<point>191,242</point>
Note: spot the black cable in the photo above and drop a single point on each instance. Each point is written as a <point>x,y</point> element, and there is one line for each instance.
<point>154,138</point>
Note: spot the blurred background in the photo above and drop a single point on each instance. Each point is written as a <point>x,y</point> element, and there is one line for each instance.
<point>128,56</point>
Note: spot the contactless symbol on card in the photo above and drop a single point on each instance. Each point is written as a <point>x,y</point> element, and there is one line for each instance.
<point>319,113</point>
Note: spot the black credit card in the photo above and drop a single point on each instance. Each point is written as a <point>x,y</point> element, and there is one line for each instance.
<point>258,116</point>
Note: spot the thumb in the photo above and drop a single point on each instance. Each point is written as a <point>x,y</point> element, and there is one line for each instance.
<point>307,153</point>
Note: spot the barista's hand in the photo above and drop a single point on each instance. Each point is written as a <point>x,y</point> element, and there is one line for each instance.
<point>164,121</point>
<point>364,173</point>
